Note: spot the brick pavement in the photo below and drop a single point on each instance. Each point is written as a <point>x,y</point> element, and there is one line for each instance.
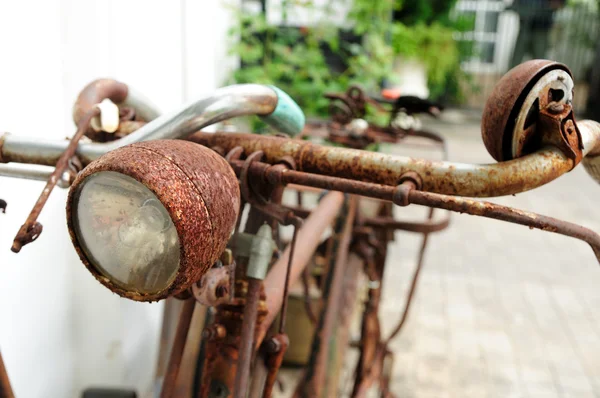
<point>501,310</point>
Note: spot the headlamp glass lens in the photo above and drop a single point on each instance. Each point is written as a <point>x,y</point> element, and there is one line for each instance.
<point>126,232</point>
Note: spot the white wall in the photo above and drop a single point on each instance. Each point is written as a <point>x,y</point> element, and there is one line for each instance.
<point>60,331</point>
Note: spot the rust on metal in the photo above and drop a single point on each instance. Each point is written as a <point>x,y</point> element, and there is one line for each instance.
<point>350,303</point>
<point>504,213</point>
<point>214,332</point>
<point>171,312</point>
<point>32,229</point>
<point>313,381</point>
<point>413,285</point>
<point>274,210</point>
<point>275,349</point>
<point>249,320</point>
<point>373,249</point>
<point>94,93</point>
<point>505,102</point>
<point>5,387</point>
<point>183,326</point>
<point>373,374</point>
<point>309,237</point>
<point>419,227</point>
<point>347,106</point>
<point>204,213</point>
<point>450,178</point>
<point>391,223</point>
<point>213,288</point>
<point>448,202</point>
<point>559,128</point>
<point>222,354</point>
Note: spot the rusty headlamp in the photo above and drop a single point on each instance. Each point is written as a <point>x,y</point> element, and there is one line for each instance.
<point>149,219</point>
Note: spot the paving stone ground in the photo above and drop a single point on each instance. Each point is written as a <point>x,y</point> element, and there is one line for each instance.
<point>501,310</point>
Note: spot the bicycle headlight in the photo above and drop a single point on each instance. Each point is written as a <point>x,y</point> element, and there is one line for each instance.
<point>150,218</point>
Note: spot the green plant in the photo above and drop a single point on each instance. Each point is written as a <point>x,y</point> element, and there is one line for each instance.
<point>425,30</point>
<point>295,59</point>
<point>432,44</point>
<point>298,59</point>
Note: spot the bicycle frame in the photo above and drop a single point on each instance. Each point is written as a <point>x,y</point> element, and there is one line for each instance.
<point>267,164</point>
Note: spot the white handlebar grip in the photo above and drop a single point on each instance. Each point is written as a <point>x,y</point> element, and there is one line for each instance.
<point>108,120</point>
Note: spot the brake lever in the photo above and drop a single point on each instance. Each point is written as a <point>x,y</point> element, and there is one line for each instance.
<point>32,229</point>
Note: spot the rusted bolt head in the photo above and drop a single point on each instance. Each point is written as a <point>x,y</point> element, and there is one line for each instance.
<point>272,346</point>
<point>215,331</point>
<point>149,219</point>
<point>276,343</point>
<point>506,101</point>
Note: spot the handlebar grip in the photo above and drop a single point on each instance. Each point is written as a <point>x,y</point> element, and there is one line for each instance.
<point>287,116</point>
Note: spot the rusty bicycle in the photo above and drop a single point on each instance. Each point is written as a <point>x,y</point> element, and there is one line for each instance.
<point>158,209</point>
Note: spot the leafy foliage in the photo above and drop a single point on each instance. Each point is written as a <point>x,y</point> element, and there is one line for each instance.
<point>298,60</point>
<point>307,62</point>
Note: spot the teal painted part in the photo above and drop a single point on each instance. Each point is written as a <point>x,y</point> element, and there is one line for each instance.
<point>287,117</point>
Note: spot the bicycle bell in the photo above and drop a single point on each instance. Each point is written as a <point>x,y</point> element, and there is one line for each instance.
<point>149,219</point>
<point>512,110</point>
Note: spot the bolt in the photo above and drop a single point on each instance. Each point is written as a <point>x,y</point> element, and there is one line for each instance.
<point>272,346</point>
<point>215,331</point>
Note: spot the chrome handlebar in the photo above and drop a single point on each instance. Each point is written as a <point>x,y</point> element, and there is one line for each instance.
<point>223,104</point>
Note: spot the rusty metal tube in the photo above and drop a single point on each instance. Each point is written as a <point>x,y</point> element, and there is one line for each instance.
<point>503,213</point>
<point>224,103</point>
<point>242,376</point>
<point>505,178</point>
<point>309,237</point>
<point>425,227</point>
<point>95,92</point>
<point>5,388</point>
<point>449,178</point>
<point>183,327</point>
<point>313,382</point>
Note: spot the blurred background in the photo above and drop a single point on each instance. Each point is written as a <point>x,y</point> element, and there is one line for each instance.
<point>453,51</point>
<point>60,331</point>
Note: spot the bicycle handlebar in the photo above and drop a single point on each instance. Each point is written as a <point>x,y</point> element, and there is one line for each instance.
<point>487,180</point>
<point>272,104</point>
<point>119,93</point>
<point>450,178</point>
<point>504,178</point>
